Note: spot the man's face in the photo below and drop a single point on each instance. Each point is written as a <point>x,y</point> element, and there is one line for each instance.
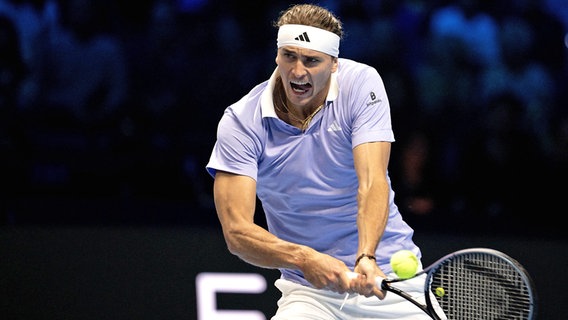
<point>305,74</point>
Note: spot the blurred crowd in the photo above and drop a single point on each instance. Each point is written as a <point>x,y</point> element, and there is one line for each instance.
<point>119,100</point>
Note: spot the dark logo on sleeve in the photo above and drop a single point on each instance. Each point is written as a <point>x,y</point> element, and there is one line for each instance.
<point>373,99</point>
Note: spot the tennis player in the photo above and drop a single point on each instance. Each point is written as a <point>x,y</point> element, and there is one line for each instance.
<point>313,143</point>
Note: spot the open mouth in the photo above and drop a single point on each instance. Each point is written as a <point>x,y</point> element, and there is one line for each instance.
<point>300,87</point>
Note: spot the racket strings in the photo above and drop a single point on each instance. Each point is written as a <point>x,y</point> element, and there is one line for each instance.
<point>482,286</point>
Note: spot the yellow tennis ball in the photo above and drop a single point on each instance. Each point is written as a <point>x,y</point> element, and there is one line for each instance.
<point>404,263</point>
<point>440,292</point>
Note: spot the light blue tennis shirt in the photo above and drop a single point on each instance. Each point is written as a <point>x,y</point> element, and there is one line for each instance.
<point>306,180</point>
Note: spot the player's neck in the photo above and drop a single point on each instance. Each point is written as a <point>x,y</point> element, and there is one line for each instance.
<point>299,117</point>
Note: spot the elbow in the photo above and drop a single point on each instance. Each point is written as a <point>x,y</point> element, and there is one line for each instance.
<point>232,246</point>
<point>232,240</point>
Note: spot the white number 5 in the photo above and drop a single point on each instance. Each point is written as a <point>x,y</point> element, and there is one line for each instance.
<point>208,284</point>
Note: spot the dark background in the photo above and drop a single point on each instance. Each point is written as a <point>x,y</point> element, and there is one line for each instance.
<point>108,112</point>
<point>150,272</point>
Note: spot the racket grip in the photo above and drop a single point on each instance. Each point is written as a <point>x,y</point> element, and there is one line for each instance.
<point>378,279</point>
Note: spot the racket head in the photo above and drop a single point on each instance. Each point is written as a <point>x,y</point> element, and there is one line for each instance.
<point>481,283</point>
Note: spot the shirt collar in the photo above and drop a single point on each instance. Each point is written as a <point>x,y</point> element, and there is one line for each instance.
<point>267,103</point>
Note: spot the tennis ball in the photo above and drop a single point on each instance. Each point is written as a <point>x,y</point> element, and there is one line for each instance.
<point>404,263</point>
<point>440,292</point>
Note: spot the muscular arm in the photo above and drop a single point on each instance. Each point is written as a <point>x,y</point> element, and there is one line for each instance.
<point>371,162</point>
<point>235,201</point>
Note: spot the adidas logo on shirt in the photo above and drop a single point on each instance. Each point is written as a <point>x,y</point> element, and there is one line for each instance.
<point>334,127</point>
<point>303,37</point>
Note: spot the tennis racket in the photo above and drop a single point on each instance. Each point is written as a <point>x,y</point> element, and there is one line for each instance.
<point>476,283</point>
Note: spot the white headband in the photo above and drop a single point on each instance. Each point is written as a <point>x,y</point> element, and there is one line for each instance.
<point>308,37</point>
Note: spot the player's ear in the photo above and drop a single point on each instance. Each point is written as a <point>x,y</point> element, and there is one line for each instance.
<point>335,63</point>
<point>277,57</point>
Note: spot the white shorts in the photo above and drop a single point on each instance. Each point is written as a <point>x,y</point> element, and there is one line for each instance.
<point>302,302</point>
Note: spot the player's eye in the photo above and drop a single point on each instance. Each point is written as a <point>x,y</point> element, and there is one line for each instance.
<point>289,56</point>
<point>310,61</point>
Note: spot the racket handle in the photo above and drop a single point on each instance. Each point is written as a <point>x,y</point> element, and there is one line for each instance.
<point>378,279</point>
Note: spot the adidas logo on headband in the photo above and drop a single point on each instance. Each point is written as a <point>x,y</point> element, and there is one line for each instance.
<point>319,39</point>
<point>303,37</point>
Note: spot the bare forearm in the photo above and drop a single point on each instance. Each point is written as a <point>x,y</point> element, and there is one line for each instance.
<point>257,246</point>
<point>235,204</point>
<point>371,161</point>
<point>372,217</point>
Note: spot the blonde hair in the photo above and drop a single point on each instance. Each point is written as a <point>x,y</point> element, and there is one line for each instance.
<point>311,15</point>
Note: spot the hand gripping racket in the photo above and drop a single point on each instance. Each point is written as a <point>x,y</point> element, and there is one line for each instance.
<point>476,283</point>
